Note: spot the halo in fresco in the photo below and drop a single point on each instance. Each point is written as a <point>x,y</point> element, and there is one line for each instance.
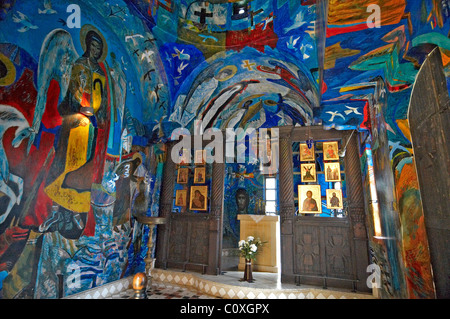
<point>84,31</point>
<point>7,71</point>
<point>226,73</point>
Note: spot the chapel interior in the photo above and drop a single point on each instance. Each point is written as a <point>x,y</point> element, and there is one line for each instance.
<point>145,143</point>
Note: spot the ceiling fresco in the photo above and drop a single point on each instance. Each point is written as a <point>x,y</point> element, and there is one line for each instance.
<point>248,63</point>
<point>343,60</point>
<point>89,89</point>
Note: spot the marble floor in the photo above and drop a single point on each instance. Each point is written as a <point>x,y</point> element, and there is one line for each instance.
<point>163,291</point>
<point>175,284</point>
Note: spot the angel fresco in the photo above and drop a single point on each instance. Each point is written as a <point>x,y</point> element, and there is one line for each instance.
<point>85,108</point>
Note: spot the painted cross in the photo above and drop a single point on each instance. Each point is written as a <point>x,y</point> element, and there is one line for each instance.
<point>203,15</point>
<point>248,65</point>
<point>252,14</point>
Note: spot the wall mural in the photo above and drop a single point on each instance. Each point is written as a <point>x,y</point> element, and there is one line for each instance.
<point>74,159</point>
<point>71,180</point>
<point>357,57</point>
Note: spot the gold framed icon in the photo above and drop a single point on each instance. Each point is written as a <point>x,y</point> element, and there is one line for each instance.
<point>308,173</point>
<point>198,198</point>
<point>334,199</point>
<point>183,175</point>
<point>332,172</point>
<point>309,199</point>
<point>330,151</point>
<point>181,197</point>
<point>306,153</point>
<point>199,175</point>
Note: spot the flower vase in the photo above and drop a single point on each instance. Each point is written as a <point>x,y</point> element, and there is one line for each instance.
<point>248,271</point>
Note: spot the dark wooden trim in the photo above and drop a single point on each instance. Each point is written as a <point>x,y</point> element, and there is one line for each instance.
<point>165,206</point>
<point>429,119</point>
<point>352,228</point>
<point>209,239</point>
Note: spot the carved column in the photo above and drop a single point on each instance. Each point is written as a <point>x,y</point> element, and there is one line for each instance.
<point>215,219</point>
<point>165,207</point>
<point>287,209</point>
<point>356,212</point>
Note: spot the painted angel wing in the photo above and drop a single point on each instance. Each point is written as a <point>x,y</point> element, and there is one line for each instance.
<point>55,63</point>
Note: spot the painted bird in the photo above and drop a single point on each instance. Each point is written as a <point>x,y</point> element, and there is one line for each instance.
<point>21,18</point>
<point>147,54</point>
<point>352,109</point>
<point>206,37</point>
<point>267,21</point>
<point>303,49</point>
<point>181,67</point>
<point>292,42</point>
<point>333,114</point>
<point>299,20</point>
<point>133,38</point>
<point>181,55</point>
<point>47,8</point>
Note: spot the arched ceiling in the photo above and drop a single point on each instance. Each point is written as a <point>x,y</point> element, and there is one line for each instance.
<point>283,62</point>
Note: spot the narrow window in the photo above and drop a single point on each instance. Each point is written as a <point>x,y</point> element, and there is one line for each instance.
<point>271,195</point>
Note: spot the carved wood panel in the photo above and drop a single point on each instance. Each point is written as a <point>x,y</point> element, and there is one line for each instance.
<point>307,250</point>
<point>429,118</point>
<point>177,245</point>
<point>188,241</point>
<point>338,259</point>
<point>198,243</point>
<point>323,249</point>
<point>328,251</point>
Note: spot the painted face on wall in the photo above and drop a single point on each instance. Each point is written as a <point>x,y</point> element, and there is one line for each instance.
<point>95,50</point>
<point>242,200</point>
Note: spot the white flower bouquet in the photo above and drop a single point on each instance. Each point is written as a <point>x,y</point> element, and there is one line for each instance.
<point>250,247</point>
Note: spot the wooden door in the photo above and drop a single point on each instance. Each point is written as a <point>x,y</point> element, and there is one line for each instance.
<point>190,240</point>
<point>328,251</point>
<point>429,120</point>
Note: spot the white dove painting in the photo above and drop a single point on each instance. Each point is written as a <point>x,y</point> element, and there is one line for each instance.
<point>292,42</point>
<point>299,20</point>
<point>333,114</point>
<point>181,67</point>
<point>147,56</point>
<point>21,18</point>
<point>47,8</point>
<point>352,110</point>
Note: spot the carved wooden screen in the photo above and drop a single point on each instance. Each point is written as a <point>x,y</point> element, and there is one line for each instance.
<point>330,250</point>
<point>191,238</point>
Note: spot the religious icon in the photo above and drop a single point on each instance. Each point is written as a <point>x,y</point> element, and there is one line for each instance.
<point>334,199</point>
<point>306,153</point>
<point>85,107</point>
<point>333,172</point>
<point>199,175</point>
<point>242,200</point>
<point>309,199</point>
<point>198,198</point>
<point>330,151</point>
<point>200,156</point>
<point>308,172</point>
<point>181,197</point>
<point>183,175</point>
